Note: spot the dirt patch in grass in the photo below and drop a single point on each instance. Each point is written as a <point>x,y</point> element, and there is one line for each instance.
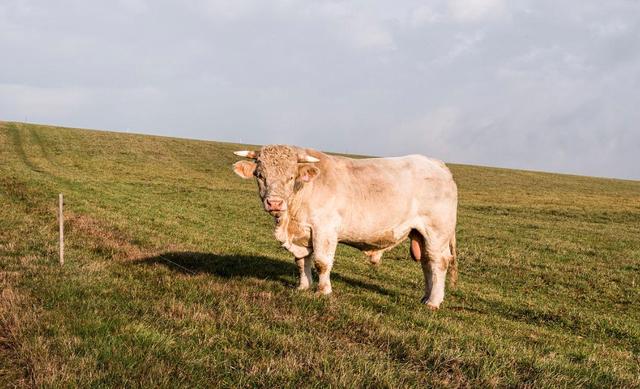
<point>104,240</point>
<point>14,365</point>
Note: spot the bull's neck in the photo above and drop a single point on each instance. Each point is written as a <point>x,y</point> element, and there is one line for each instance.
<point>294,206</point>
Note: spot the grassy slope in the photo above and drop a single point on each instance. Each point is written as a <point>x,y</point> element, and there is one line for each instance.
<point>548,292</point>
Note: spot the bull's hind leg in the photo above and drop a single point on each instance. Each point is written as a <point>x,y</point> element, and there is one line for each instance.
<point>434,261</point>
<point>304,268</point>
<point>374,256</point>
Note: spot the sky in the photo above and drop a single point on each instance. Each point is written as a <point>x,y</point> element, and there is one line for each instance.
<point>534,84</point>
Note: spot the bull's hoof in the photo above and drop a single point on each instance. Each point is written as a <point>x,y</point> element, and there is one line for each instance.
<point>429,304</point>
<point>302,287</point>
<point>375,257</point>
<point>433,307</point>
<point>323,291</point>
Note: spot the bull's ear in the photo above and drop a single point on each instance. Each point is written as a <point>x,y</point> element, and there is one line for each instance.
<point>244,169</point>
<point>306,173</point>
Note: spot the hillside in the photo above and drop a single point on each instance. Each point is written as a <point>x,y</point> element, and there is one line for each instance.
<point>173,278</point>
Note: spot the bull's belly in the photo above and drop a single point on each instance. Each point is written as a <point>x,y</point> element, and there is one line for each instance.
<point>372,246</point>
<point>379,240</point>
<point>297,236</point>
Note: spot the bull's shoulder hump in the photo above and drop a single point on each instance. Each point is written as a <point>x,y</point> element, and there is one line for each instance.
<point>423,158</point>
<point>416,162</point>
<point>417,159</point>
<point>427,160</point>
<point>432,166</point>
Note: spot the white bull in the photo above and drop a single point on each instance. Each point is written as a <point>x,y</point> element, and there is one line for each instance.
<point>373,204</point>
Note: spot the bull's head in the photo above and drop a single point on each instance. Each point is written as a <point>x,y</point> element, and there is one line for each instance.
<point>281,171</point>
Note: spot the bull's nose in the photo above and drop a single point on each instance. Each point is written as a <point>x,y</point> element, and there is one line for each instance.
<point>274,204</point>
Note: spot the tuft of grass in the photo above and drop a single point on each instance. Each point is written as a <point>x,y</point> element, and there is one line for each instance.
<point>173,278</point>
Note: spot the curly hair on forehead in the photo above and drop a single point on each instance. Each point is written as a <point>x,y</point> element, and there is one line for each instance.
<point>278,158</point>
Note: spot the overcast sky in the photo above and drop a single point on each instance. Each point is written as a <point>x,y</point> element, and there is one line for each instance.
<point>535,84</point>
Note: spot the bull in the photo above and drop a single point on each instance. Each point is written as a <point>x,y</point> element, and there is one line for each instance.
<point>373,204</point>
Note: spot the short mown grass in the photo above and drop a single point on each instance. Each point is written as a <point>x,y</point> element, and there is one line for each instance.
<point>173,278</point>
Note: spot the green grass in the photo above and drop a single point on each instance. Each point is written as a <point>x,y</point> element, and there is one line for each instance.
<point>548,295</point>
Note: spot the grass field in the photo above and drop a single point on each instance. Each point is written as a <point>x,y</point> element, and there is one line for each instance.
<point>548,294</point>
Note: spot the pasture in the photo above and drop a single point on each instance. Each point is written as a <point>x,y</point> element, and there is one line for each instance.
<point>173,278</point>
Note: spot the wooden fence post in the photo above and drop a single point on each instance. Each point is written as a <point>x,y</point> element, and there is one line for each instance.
<point>61,222</point>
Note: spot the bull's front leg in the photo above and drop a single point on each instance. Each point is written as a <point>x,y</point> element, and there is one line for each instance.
<point>304,268</point>
<point>324,250</point>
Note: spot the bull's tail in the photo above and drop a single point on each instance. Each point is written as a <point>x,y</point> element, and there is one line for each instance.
<point>453,261</point>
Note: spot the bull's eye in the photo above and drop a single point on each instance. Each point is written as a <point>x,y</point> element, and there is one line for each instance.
<point>291,178</point>
<point>258,175</point>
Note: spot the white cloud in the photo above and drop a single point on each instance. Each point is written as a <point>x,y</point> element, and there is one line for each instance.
<point>79,106</point>
<point>463,44</point>
<point>23,101</point>
<point>229,9</point>
<point>428,133</point>
<point>610,29</point>
<point>423,14</point>
<point>367,33</point>
<point>134,6</point>
<point>476,10</point>
<point>361,27</point>
<point>529,83</point>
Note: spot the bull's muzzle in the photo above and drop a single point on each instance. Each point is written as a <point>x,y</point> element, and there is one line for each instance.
<point>274,204</point>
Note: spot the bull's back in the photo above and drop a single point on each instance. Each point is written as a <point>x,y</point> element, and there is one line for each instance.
<point>378,195</point>
<point>398,180</point>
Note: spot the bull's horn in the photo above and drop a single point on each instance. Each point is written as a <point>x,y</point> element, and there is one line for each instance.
<point>246,153</point>
<point>307,158</point>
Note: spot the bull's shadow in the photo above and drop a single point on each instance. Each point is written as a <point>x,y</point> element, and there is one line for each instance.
<point>225,266</point>
<point>244,266</point>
